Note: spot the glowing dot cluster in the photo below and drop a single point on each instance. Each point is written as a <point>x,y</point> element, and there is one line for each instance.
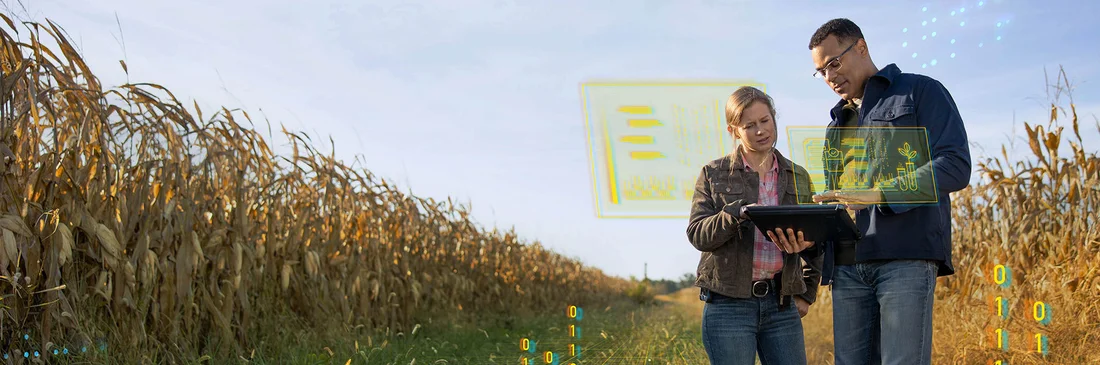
<point>930,29</point>
<point>28,353</point>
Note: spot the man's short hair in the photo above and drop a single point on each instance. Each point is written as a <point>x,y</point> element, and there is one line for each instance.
<point>845,31</point>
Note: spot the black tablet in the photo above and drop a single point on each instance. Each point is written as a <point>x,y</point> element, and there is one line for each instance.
<point>818,223</point>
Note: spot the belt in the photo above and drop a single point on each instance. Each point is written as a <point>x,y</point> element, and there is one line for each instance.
<point>761,288</point>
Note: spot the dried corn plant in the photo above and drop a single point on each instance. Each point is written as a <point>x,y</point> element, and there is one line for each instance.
<point>1039,217</point>
<point>122,206</point>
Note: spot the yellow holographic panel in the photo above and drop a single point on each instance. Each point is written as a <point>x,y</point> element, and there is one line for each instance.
<point>895,160</point>
<point>647,142</point>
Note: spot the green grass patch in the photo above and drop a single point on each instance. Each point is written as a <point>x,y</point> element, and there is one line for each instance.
<point>622,333</point>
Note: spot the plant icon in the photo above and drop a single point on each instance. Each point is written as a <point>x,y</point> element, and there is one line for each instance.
<point>908,175</point>
<point>907,151</point>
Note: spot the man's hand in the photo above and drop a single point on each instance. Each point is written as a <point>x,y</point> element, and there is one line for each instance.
<point>789,242</point>
<point>853,200</point>
<point>803,306</point>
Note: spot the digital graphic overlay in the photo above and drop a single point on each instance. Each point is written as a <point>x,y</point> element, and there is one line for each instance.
<point>569,352</point>
<point>944,33</point>
<point>1041,312</point>
<point>647,142</point>
<point>894,160</point>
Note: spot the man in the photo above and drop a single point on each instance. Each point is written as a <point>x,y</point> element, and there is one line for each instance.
<point>883,286</point>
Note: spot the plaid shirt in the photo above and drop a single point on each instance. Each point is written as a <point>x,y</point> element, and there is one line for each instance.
<point>766,258</point>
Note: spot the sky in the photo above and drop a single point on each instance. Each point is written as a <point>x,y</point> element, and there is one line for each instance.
<point>479,99</point>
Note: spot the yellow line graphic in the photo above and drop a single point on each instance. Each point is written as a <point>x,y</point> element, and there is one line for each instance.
<point>719,120</point>
<point>611,179</point>
<point>637,139</point>
<point>646,155</point>
<point>643,123</point>
<point>636,109</point>
<point>588,132</point>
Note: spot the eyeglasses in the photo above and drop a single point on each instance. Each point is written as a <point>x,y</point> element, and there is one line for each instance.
<point>834,63</point>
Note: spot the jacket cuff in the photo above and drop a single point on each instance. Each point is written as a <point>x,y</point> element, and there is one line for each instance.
<point>733,209</point>
<point>808,298</point>
<point>814,251</point>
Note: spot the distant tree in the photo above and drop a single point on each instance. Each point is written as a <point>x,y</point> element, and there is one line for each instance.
<point>687,280</point>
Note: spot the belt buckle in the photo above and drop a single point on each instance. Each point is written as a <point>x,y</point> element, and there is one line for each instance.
<point>760,288</point>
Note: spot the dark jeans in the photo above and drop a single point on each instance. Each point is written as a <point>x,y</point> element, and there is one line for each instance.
<point>882,312</point>
<point>736,330</point>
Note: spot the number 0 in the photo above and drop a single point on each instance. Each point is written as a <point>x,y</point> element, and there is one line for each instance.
<point>999,274</point>
<point>572,311</point>
<point>1039,311</point>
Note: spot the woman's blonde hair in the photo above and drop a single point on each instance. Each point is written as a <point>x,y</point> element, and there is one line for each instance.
<point>740,100</point>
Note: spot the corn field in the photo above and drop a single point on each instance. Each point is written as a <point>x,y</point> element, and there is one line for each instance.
<point>1037,216</point>
<point>122,206</point>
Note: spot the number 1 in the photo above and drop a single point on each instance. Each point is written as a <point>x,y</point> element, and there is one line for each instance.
<point>1002,339</point>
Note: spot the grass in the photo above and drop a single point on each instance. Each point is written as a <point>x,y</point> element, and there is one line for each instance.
<point>625,332</point>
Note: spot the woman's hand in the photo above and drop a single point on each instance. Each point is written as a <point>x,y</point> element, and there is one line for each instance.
<point>743,215</point>
<point>789,242</point>
<point>803,306</point>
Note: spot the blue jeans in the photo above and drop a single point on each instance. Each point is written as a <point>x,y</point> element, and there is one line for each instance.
<point>736,330</point>
<point>882,312</point>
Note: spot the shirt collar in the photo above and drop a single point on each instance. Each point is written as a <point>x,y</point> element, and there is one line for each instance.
<point>887,74</point>
<point>775,163</point>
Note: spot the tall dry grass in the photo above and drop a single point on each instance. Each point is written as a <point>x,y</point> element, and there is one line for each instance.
<point>123,207</point>
<point>1039,217</point>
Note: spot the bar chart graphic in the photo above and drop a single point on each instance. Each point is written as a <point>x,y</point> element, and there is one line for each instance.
<point>647,142</point>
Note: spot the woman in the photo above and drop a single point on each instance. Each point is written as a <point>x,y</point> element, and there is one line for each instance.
<point>748,283</point>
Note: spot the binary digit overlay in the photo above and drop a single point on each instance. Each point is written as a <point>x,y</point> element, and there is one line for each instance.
<point>1001,339</point>
<point>649,140</point>
<point>574,312</point>
<point>575,351</point>
<point>1042,343</point>
<point>528,345</point>
<point>1002,276</point>
<point>1000,307</point>
<point>1042,312</point>
<point>550,357</point>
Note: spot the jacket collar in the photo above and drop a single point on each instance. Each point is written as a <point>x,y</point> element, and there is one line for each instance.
<point>887,75</point>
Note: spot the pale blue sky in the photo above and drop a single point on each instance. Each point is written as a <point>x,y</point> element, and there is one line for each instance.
<point>478,99</point>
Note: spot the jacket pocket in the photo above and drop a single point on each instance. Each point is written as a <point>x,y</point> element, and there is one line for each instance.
<point>793,192</point>
<point>899,115</point>
<point>726,192</point>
